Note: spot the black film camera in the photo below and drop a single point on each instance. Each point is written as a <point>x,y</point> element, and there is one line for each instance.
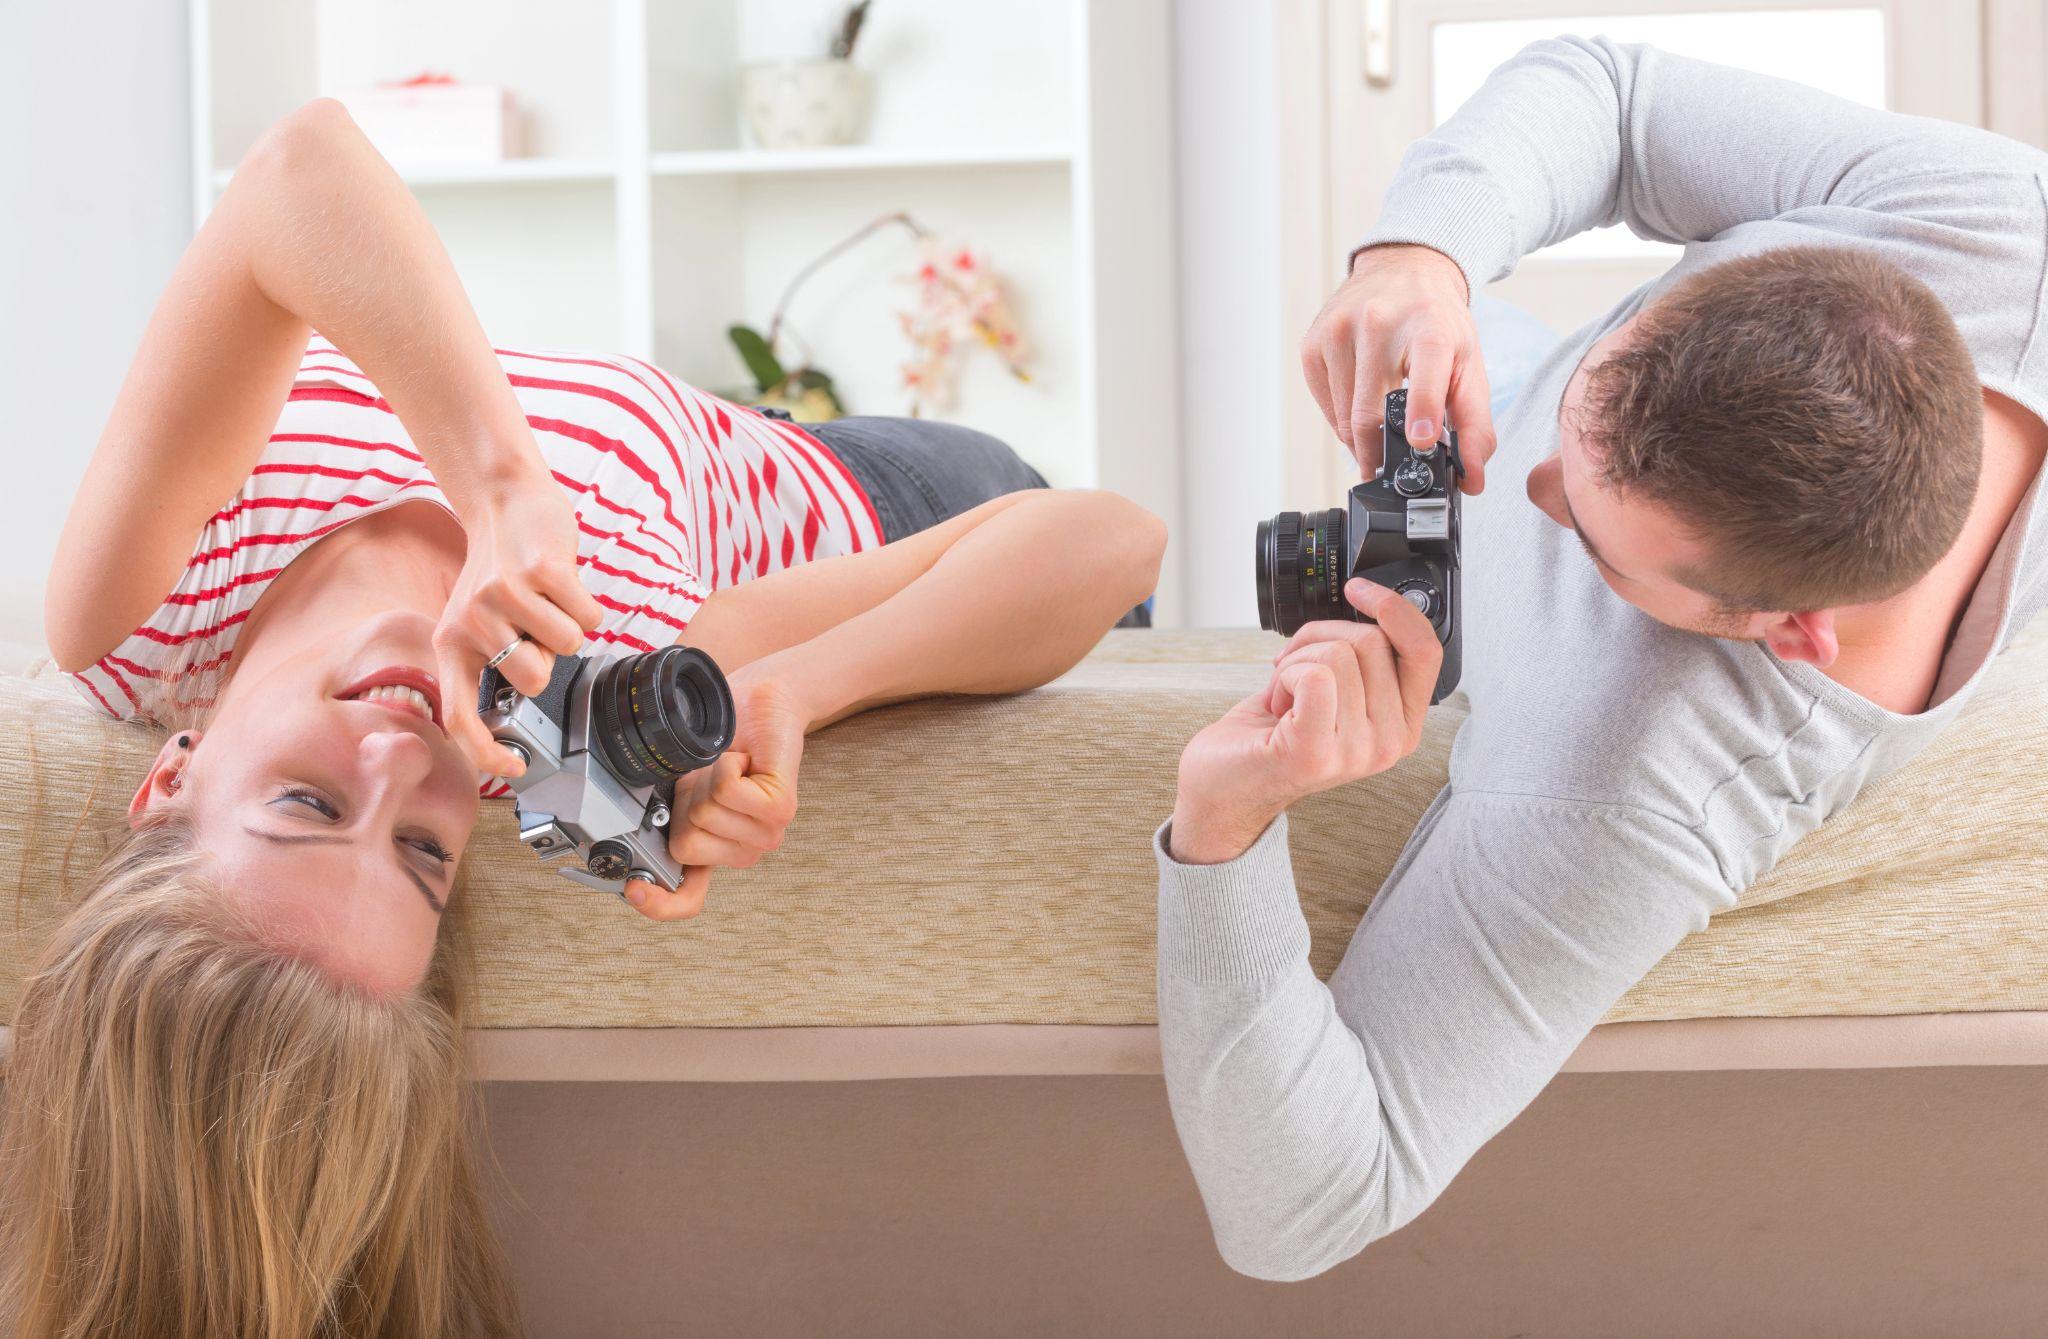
<point>1399,529</point>
<point>603,745</point>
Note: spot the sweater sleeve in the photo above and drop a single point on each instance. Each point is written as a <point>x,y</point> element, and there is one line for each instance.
<point>1317,1118</point>
<point>1572,134</point>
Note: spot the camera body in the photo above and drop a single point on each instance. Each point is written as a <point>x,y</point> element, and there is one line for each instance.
<point>1399,529</point>
<point>604,744</point>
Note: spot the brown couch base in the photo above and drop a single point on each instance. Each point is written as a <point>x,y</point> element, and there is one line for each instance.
<point>1884,1204</point>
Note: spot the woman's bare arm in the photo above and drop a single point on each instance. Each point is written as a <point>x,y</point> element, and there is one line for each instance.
<point>995,600</point>
<point>315,232</point>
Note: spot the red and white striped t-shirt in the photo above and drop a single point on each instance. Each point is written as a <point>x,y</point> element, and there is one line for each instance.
<point>677,493</point>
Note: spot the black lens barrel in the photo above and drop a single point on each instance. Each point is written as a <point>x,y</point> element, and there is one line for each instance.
<point>661,714</point>
<point>1299,571</point>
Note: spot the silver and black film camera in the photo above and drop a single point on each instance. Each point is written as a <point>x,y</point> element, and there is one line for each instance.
<point>1399,529</point>
<point>604,744</point>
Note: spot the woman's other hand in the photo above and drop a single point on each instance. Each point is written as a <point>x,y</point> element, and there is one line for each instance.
<point>519,580</point>
<point>738,809</point>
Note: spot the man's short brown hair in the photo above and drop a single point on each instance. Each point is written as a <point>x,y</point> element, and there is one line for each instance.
<point>1811,413</point>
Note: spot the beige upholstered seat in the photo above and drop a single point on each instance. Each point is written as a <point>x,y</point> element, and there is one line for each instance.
<point>987,862</point>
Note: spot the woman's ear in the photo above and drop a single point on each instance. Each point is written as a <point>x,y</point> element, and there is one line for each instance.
<point>1808,637</point>
<point>166,775</point>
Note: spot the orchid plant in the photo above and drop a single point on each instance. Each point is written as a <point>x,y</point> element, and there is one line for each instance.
<point>960,302</point>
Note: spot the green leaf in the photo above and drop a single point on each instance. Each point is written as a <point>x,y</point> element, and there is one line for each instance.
<point>759,358</point>
<point>811,379</point>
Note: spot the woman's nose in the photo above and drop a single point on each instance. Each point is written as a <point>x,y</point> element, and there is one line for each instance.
<point>397,760</point>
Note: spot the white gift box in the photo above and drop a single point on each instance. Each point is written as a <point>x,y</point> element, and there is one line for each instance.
<point>436,122</point>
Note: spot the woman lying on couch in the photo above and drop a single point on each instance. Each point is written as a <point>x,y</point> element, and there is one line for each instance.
<point>235,1098</point>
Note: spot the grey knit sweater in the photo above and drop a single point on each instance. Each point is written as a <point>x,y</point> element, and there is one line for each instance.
<point>1617,781</point>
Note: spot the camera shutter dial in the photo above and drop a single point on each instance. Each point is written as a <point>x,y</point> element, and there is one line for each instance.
<point>1413,477</point>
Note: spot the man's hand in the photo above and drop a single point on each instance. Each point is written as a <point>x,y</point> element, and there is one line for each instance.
<point>736,810</point>
<point>1404,311</point>
<point>1346,700</point>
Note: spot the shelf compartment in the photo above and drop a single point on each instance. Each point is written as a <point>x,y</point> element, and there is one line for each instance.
<point>511,172</point>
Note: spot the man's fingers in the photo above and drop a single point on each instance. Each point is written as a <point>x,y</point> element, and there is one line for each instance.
<point>1418,656</point>
<point>1471,408</point>
<point>1379,371</point>
<point>1308,719</point>
<point>1317,373</point>
<point>1383,728</point>
<point>1431,354</point>
<point>1339,355</point>
<point>661,904</point>
<point>1322,630</point>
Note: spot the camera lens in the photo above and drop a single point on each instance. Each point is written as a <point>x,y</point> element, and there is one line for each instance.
<point>1300,569</point>
<point>661,714</point>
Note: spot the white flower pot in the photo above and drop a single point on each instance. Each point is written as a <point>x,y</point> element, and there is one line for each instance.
<point>803,104</point>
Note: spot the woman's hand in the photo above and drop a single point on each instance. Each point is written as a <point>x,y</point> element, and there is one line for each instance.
<point>1346,700</point>
<point>518,580</point>
<point>1403,312</point>
<point>736,810</point>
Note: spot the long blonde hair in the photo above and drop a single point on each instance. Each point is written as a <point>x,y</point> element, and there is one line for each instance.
<point>205,1136</point>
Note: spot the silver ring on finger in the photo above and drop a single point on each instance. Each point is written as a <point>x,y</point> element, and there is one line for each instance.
<point>505,654</point>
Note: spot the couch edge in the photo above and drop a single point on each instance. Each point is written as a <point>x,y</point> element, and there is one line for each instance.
<point>838,1054</point>
<point>760,1055</point>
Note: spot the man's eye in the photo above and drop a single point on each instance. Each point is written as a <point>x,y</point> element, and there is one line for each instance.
<point>309,799</point>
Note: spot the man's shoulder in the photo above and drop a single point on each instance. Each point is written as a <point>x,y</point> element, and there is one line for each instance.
<point>1595,703</point>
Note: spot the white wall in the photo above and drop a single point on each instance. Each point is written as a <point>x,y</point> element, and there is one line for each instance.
<point>1226,108</point>
<point>94,211</point>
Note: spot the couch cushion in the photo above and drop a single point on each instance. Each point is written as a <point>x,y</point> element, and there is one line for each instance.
<point>986,861</point>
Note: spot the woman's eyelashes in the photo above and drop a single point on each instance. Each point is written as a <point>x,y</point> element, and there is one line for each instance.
<point>428,846</point>
<point>308,799</point>
<point>313,801</point>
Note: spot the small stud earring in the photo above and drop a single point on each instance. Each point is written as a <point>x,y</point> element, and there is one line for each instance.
<point>184,741</point>
<point>175,782</point>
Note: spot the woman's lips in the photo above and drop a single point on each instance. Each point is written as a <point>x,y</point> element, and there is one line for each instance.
<point>400,688</point>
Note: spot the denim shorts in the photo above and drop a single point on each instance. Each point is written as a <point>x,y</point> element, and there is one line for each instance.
<point>918,472</point>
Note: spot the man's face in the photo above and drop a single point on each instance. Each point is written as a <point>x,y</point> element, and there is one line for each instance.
<point>1641,550</point>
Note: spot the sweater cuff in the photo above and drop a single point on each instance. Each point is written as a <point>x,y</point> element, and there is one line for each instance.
<point>1460,216</point>
<point>1237,921</point>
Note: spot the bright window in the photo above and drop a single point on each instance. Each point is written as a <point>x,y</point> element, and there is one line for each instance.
<point>1839,50</point>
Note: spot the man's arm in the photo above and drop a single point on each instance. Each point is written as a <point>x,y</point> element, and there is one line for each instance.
<point>1318,1119</point>
<point>1573,134</point>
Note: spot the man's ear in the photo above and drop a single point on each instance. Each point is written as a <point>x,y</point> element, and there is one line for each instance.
<point>1808,637</point>
<point>166,775</point>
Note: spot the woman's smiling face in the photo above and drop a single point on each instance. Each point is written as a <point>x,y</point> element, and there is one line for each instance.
<point>331,800</point>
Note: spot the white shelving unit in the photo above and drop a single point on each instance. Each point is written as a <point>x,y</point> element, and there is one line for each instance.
<point>645,222</point>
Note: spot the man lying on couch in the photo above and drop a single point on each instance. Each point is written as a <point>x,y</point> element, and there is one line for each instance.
<point>1780,513</point>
